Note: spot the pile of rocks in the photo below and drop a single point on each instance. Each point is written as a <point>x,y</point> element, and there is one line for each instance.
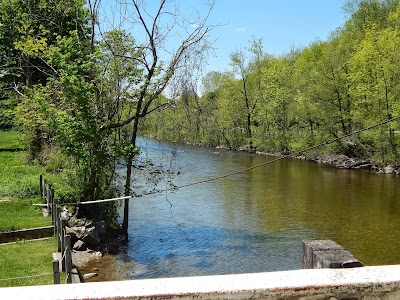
<point>85,234</point>
<point>88,235</point>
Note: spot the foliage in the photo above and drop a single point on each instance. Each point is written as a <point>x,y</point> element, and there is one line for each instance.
<point>80,98</point>
<point>287,103</point>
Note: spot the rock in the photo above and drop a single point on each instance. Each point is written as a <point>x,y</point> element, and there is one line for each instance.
<point>91,238</point>
<point>89,275</point>
<point>81,222</point>
<point>101,229</point>
<point>65,214</point>
<point>80,246</point>
<point>72,221</point>
<point>388,170</point>
<point>77,231</point>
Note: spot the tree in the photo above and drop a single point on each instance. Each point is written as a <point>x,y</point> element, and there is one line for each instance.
<point>238,62</point>
<point>157,27</point>
<point>376,81</point>
<point>27,30</point>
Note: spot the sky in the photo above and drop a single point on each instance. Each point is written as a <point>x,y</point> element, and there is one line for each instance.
<point>282,24</point>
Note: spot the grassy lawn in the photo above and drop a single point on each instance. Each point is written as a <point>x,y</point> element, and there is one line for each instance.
<point>9,141</point>
<point>19,188</point>
<point>18,214</point>
<point>17,179</point>
<point>27,258</point>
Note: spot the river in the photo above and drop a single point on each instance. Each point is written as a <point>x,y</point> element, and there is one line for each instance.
<point>254,221</point>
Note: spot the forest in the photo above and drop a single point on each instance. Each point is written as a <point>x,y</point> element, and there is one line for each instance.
<point>80,89</point>
<point>283,104</point>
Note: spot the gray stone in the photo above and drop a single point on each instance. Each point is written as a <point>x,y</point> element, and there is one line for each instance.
<point>80,246</point>
<point>79,231</point>
<point>91,238</point>
<point>89,275</point>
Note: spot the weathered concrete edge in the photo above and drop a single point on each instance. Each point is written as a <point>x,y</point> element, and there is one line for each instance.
<point>381,281</point>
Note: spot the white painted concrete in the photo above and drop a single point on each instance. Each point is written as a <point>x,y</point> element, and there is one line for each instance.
<point>380,282</point>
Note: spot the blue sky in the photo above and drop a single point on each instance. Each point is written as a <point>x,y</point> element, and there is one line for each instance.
<point>282,24</point>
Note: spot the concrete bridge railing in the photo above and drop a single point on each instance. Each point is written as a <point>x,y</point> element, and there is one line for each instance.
<point>380,282</point>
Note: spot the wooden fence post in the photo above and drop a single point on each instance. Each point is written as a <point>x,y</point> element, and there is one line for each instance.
<point>319,254</point>
<point>54,217</point>
<point>52,202</point>
<point>56,271</point>
<point>63,224</point>
<point>68,258</point>
<point>49,188</point>
<point>45,190</point>
<point>59,229</point>
<point>41,186</point>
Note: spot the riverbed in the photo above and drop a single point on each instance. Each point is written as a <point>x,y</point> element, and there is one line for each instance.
<point>252,221</point>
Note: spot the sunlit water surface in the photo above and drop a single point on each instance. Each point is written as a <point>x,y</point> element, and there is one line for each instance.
<point>254,221</point>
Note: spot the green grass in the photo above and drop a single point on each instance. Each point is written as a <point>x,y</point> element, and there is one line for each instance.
<point>10,140</point>
<point>19,188</point>
<point>19,214</point>
<point>27,258</point>
<point>17,179</point>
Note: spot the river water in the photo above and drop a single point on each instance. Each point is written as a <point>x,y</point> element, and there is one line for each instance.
<point>254,221</point>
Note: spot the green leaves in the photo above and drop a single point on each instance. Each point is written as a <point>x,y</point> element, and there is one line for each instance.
<point>328,89</point>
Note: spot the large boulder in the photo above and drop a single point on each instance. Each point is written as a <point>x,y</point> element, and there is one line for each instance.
<point>90,237</point>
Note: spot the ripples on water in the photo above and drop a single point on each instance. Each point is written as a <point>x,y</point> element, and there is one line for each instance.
<point>204,250</point>
<point>255,221</point>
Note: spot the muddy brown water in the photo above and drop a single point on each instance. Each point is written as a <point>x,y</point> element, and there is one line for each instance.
<point>253,221</point>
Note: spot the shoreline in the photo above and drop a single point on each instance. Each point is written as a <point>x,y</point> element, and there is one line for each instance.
<point>340,161</point>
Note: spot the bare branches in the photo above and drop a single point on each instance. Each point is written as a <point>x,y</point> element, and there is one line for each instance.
<point>16,89</point>
<point>169,43</point>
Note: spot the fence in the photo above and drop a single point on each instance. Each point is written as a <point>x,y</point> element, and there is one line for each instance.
<point>62,260</point>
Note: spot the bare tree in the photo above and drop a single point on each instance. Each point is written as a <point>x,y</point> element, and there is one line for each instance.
<point>168,45</point>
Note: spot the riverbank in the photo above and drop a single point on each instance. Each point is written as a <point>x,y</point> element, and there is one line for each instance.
<point>340,161</point>
<point>344,162</point>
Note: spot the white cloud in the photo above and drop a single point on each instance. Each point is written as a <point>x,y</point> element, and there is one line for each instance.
<point>241,29</point>
<point>194,25</point>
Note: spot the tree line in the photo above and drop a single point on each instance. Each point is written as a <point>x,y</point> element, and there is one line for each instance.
<point>286,103</point>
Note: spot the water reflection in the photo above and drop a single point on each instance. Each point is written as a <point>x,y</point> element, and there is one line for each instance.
<point>255,221</point>
<point>188,251</point>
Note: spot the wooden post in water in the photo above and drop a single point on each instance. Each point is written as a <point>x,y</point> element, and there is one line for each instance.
<point>319,254</point>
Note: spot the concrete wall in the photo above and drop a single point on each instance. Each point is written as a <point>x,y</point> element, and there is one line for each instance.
<point>381,282</point>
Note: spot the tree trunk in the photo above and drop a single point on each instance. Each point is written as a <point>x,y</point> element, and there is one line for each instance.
<point>128,179</point>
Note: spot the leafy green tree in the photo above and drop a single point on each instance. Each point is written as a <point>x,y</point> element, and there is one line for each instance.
<point>27,28</point>
<point>278,89</point>
<point>375,77</point>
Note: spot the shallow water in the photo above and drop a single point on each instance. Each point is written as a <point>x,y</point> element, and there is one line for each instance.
<point>254,221</point>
